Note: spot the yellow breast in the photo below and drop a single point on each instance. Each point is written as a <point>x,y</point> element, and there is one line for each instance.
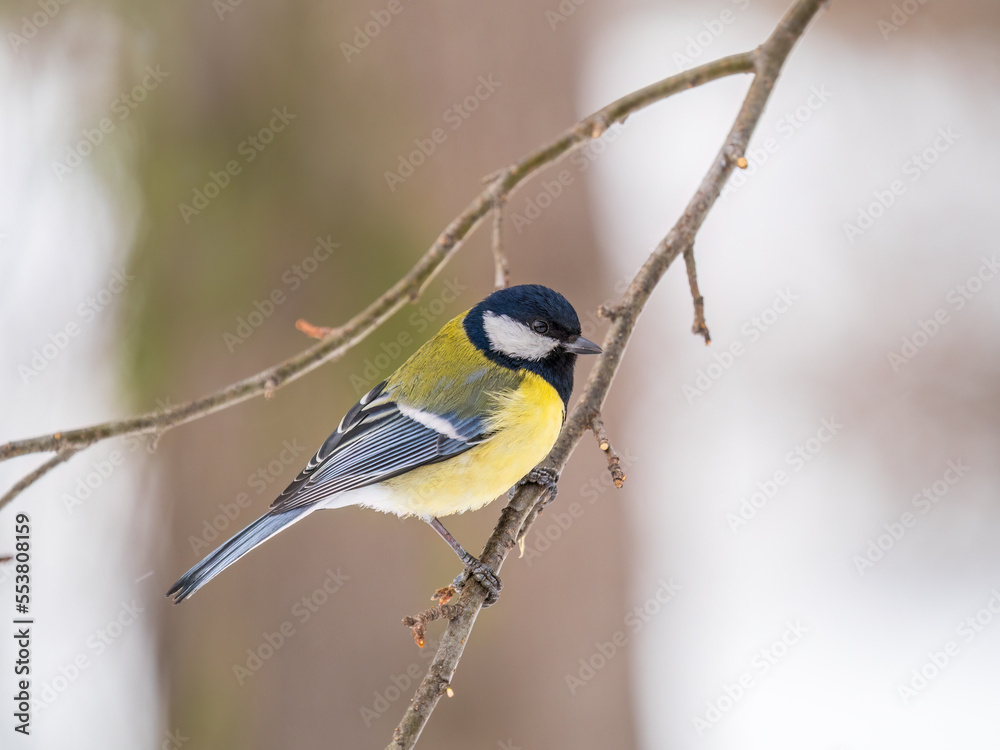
<point>526,424</point>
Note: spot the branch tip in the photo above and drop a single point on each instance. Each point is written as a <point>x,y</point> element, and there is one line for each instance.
<point>313,332</point>
<point>609,312</point>
<point>604,444</point>
<point>418,623</point>
<point>699,327</point>
<point>444,594</point>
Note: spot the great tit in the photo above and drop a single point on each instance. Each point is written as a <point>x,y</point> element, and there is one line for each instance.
<point>459,423</point>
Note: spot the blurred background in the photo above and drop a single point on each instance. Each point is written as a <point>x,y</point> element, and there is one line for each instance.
<point>804,552</point>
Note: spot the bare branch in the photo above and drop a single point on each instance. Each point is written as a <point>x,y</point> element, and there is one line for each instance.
<point>61,457</point>
<point>418,623</point>
<point>768,60</point>
<point>614,460</point>
<point>407,289</point>
<point>698,327</point>
<point>501,278</point>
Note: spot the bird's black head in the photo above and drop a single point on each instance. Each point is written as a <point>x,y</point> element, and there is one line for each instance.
<point>530,327</point>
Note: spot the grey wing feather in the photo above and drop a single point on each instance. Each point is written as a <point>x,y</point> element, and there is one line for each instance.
<point>374,442</point>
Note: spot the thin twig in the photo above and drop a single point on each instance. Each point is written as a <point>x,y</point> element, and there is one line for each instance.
<point>501,277</point>
<point>312,331</point>
<point>604,443</point>
<point>407,289</point>
<point>608,312</point>
<point>698,327</point>
<point>769,59</point>
<point>418,623</point>
<point>61,457</point>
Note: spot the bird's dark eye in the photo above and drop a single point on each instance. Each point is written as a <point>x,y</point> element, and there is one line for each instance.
<point>540,326</point>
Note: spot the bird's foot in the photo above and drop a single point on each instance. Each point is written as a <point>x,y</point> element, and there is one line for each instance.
<point>544,477</point>
<point>482,574</point>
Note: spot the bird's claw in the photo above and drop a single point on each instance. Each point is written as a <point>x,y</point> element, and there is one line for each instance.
<point>485,577</point>
<point>545,477</point>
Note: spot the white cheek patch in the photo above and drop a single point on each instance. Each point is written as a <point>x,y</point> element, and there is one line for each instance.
<point>514,339</point>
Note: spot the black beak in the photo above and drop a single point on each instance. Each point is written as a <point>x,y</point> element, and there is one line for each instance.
<point>580,345</point>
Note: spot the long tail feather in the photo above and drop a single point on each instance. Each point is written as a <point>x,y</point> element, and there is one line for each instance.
<point>256,533</point>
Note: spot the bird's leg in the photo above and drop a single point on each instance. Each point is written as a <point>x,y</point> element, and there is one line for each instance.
<point>473,567</point>
<point>544,477</point>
